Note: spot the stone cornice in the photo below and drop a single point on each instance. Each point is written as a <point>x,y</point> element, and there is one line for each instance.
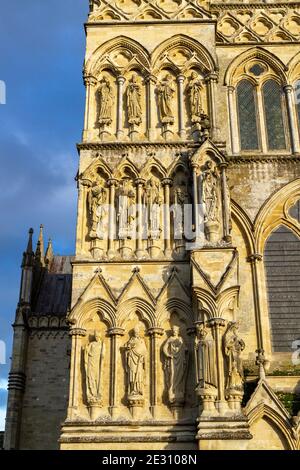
<point>125,145</point>
<point>251,6</point>
<point>242,159</point>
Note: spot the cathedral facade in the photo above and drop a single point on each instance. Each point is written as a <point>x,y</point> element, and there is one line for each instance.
<point>176,324</point>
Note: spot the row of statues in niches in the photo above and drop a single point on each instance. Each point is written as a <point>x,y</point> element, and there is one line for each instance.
<point>176,356</point>
<point>179,103</point>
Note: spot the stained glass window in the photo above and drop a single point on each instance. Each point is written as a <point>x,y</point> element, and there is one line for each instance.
<point>274,115</point>
<point>257,70</point>
<point>246,98</point>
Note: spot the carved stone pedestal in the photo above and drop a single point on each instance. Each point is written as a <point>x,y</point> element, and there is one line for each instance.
<point>217,433</point>
<point>154,251</point>
<point>96,250</point>
<point>135,402</point>
<point>208,398</point>
<point>126,252</point>
<point>94,409</point>
<point>212,231</point>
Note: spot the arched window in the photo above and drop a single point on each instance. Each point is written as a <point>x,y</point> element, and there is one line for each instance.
<point>282,263</point>
<point>261,111</point>
<point>247,115</point>
<point>272,98</point>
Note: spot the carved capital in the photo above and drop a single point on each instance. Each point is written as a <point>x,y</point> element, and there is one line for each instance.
<point>121,80</point>
<point>89,80</point>
<point>254,257</point>
<point>155,331</point>
<point>288,89</point>
<point>231,89</point>
<point>116,331</point>
<point>151,79</point>
<point>167,182</point>
<point>77,332</point>
<point>140,182</point>
<point>180,78</point>
<point>112,182</point>
<point>214,77</point>
<point>217,322</point>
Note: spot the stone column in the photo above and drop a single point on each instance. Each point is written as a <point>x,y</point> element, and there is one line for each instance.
<point>225,204</point>
<point>114,362</point>
<point>120,82</point>
<point>294,131</point>
<point>180,80</point>
<point>218,327</point>
<point>234,132</point>
<point>90,83</point>
<point>254,259</point>
<point>76,334</point>
<point>196,199</point>
<point>112,183</point>
<point>139,227</point>
<point>212,93</point>
<point>150,81</point>
<point>167,183</point>
<point>154,333</point>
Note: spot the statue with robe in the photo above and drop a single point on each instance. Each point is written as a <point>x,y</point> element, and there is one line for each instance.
<point>154,201</point>
<point>93,361</point>
<point>233,348</point>
<point>105,102</point>
<point>210,194</point>
<point>195,90</point>
<point>97,199</point>
<point>206,358</point>
<point>134,107</point>
<point>175,365</point>
<point>135,354</point>
<point>126,212</point>
<point>166,93</point>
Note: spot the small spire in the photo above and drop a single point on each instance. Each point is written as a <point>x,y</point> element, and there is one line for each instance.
<point>40,252</point>
<point>28,255</point>
<point>49,252</point>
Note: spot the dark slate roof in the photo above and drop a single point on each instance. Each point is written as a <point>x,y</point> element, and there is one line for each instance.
<point>54,294</point>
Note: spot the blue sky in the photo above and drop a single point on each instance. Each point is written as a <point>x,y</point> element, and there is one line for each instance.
<point>42,50</point>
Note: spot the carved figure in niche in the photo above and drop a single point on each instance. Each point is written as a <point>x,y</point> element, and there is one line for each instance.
<point>181,198</point>
<point>210,193</point>
<point>154,201</point>
<point>126,212</point>
<point>93,362</point>
<point>134,107</point>
<point>195,89</point>
<point>175,366</point>
<point>206,358</point>
<point>136,351</point>
<point>166,92</point>
<point>233,347</point>
<point>97,199</point>
<point>106,102</point>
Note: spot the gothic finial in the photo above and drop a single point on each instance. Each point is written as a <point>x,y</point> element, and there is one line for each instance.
<point>49,252</point>
<point>39,252</point>
<point>136,270</point>
<point>28,255</point>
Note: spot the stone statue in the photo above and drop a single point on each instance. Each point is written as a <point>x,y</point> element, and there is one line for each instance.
<point>126,213</point>
<point>206,358</point>
<point>154,201</point>
<point>97,199</point>
<point>175,366</point>
<point>195,89</point>
<point>210,194</point>
<point>181,198</point>
<point>93,361</point>
<point>136,352</point>
<point>166,92</point>
<point>106,102</point>
<point>233,347</point>
<point>134,107</point>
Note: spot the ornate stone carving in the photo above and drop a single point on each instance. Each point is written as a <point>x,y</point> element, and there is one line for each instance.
<point>126,212</point>
<point>194,91</point>
<point>175,366</point>
<point>166,91</point>
<point>97,200</point>
<point>233,347</point>
<point>105,102</point>
<point>154,201</point>
<point>134,107</point>
<point>211,202</point>
<point>136,352</point>
<point>206,359</point>
<point>93,361</point>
